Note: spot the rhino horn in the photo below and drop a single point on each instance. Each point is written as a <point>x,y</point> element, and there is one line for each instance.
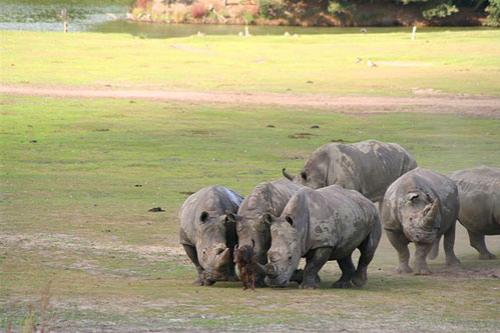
<point>430,217</point>
<point>286,174</point>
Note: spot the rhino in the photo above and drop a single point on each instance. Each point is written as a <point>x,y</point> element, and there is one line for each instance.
<point>368,167</point>
<point>420,207</point>
<point>207,235</point>
<point>479,195</point>
<point>322,225</point>
<point>252,229</point>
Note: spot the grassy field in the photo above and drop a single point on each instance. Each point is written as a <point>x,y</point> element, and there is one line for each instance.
<point>72,211</point>
<point>457,61</point>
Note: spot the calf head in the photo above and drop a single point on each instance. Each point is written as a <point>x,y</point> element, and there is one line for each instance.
<point>284,254</point>
<point>420,216</point>
<point>213,254</point>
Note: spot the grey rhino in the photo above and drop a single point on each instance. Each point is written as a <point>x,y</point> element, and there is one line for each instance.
<point>206,234</point>
<point>252,229</point>
<point>479,194</point>
<point>368,167</point>
<point>419,207</point>
<point>322,225</point>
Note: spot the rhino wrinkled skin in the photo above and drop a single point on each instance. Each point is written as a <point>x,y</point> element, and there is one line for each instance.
<point>252,229</point>
<point>322,225</point>
<point>368,167</point>
<point>420,207</point>
<point>206,234</point>
<point>479,195</point>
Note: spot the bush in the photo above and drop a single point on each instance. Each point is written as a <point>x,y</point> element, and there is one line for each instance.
<point>271,9</point>
<point>493,10</point>
<point>199,10</point>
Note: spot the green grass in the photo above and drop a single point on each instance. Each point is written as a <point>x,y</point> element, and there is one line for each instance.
<point>70,213</point>
<point>457,61</point>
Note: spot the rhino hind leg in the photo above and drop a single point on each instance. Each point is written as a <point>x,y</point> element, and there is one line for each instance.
<point>314,262</point>
<point>348,271</point>
<point>367,250</point>
<point>400,243</point>
<point>193,256</point>
<point>477,242</point>
<point>449,243</point>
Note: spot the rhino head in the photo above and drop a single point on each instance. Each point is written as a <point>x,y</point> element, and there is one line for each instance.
<point>213,254</point>
<point>420,217</point>
<point>254,232</point>
<point>311,177</point>
<point>284,254</point>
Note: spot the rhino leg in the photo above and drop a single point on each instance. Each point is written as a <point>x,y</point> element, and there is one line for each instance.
<point>421,252</point>
<point>314,262</point>
<point>367,250</point>
<point>400,243</point>
<point>193,256</point>
<point>348,270</point>
<point>449,243</point>
<point>435,249</point>
<point>477,242</point>
<point>231,273</point>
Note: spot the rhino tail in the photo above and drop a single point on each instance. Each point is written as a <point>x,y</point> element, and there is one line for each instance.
<point>286,174</point>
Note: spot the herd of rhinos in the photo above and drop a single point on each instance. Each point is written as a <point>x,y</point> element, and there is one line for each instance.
<point>328,211</point>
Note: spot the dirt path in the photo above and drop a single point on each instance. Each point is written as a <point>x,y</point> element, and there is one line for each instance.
<point>488,107</point>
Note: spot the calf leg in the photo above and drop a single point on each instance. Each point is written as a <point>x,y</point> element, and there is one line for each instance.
<point>193,256</point>
<point>314,263</point>
<point>449,242</point>
<point>367,249</point>
<point>400,243</point>
<point>477,242</point>
<point>348,270</point>
<point>421,252</point>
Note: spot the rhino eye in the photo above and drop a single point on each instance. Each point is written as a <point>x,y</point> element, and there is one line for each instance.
<point>289,258</point>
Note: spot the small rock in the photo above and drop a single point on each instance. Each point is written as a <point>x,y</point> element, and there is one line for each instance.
<point>315,126</point>
<point>310,82</point>
<point>271,126</point>
<point>363,30</point>
<point>156,210</point>
<point>138,185</point>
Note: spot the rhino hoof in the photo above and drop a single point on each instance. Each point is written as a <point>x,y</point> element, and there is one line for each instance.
<point>342,284</point>
<point>487,256</point>
<point>404,269</point>
<point>198,282</point>
<point>358,281</point>
<point>309,286</point>
<point>453,262</point>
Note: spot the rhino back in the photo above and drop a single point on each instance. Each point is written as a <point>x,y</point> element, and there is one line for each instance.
<point>479,193</point>
<point>331,217</point>
<point>374,165</point>
<point>268,197</point>
<point>427,181</point>
<point>214,199</point>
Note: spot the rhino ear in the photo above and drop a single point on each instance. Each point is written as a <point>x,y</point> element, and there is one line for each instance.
<point>204,217</point>
<point>303,174</point>
<point>412,196</point>
<point>268,218</point>
<point>289,219</point>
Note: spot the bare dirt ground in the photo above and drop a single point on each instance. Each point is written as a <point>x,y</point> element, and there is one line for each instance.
<point>485,107</point>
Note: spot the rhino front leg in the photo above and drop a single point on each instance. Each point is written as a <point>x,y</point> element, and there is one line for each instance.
<point>449,243</point>
<point>193,256</point>
<point>421,252</point>
<point>477,242</point>
<point>314,262</point>
<point>400,243</point>
<point>348,270</point>
<point>435,249</point>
